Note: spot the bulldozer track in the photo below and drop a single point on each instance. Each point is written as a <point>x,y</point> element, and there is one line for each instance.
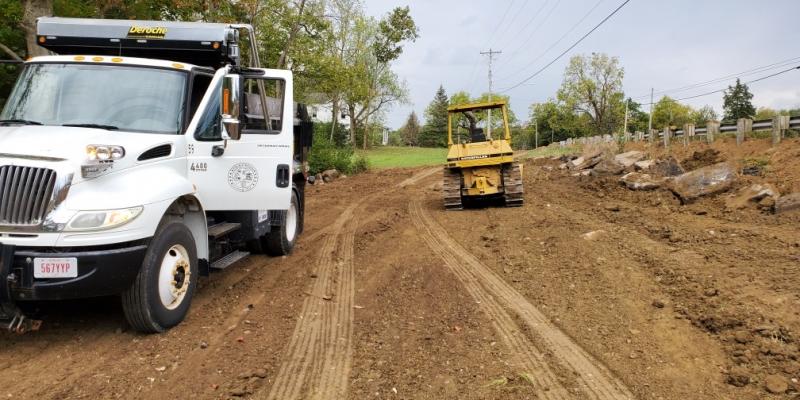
<point>497,298</point>
<point>512,182</point>
<point>451,189</point>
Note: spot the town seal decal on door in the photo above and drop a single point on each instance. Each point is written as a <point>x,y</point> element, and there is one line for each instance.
<point>243,177</point>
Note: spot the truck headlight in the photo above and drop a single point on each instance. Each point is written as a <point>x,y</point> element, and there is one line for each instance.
<point>99,152</point>
<point>100,159</point>
<point>98,220</point>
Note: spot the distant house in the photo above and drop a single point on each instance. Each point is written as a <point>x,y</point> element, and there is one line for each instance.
<point>320,110</point>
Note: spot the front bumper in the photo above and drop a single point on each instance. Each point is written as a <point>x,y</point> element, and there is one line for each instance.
<point>102,271</point>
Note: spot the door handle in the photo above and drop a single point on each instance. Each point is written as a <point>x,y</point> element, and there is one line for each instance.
<point>282,176</point>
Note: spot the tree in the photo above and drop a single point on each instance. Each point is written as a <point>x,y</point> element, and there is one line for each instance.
<point>33,9</point>
<point>409,132</point>
<point>434,132</point>
<point>370,83</point>
<point>765,113</point>
<point>557,122</point>
<point>737,102</point>
<point>637,119</point>
<point>593,85</point>
<point>668,112</point>
<point>703,115</point>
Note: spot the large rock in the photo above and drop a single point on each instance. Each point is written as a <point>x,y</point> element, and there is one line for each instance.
<point>608,166</point>
<point>630,158</point>
<point>592,162</point>
<point>330,175</point>
<point>639,181</point>
<point>713,179</point>
<point>751,195</point>
<point>788,202</point>
<point>643,165</point>
<point>667,167</point>
<point>576,163</point>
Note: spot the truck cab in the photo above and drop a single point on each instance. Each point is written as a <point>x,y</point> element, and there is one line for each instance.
<point>139,158</point>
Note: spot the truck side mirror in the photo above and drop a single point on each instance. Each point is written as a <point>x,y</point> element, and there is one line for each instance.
<point>231,106</point>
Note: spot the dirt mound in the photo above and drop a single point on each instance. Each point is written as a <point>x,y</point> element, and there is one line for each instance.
<point>701,158</point>
<point>731,272</point>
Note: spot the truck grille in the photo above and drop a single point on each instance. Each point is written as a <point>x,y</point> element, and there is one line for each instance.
<point>25,194</point>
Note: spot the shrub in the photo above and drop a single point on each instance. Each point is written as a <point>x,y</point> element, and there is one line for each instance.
<point>326,155</point>
<point>359,164</point>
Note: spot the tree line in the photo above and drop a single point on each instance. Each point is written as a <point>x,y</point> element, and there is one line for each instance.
<point>589,102</point>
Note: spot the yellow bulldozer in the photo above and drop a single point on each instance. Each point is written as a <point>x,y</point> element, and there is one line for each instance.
<point>480,166</point>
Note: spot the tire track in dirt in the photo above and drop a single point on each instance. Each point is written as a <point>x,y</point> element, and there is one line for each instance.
<point>319,356</point>
<point>594,379</point>
<point>526,355</point>
<point>418,177</point>
<point>306,349</point>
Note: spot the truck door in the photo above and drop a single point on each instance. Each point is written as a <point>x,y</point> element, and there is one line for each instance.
<point>254,172</point>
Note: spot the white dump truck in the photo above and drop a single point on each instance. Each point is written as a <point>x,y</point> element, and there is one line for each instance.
<point>139,158</point>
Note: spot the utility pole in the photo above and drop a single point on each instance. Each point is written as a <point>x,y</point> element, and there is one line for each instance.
<point>536,124</point>
<point>650,124</point>
<point>625,125</point>
<point>491,54</point>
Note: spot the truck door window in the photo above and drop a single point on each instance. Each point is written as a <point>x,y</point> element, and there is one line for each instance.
<point>210,127</point>
<point>256,120</point>
<point>200,84</point>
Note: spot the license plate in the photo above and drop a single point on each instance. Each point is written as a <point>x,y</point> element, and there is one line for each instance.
<point>55,267</point>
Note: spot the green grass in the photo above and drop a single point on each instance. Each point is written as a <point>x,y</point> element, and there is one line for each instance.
<point>550,151</point>
<point>403,157</point>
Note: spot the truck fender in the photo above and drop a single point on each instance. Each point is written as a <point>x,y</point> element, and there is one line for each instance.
<point>189,209</point>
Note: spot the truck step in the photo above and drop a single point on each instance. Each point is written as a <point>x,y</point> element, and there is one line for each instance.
<point>229,259</point>
<point>223,228</point>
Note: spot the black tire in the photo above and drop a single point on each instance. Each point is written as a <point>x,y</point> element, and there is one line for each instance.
<point>277,242</point>
<point>143,306</point>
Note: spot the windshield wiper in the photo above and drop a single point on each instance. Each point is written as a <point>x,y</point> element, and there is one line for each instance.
<point>19,121</point>
<point>98,126</point>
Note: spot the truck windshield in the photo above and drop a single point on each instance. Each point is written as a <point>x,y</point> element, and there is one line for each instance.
<point>134,99</point>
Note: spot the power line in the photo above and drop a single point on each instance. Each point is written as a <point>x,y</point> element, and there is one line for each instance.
<point>510,24</point>
<point>554,44</point>
<point>724,89</point>
<point>478,59</point>
<point>726,77</point>
<point>535,15</point>
<point>569,48</point>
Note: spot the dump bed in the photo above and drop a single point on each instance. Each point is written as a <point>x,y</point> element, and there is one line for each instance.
<point>198,43</point>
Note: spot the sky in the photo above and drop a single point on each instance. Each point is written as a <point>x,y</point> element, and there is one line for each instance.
<point>664,45</point>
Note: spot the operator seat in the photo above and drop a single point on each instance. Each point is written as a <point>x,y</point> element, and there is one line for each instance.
<point>477,135</point>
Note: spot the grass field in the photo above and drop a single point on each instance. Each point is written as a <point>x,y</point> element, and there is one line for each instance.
<point>399,157</point>
<point>549,151</point>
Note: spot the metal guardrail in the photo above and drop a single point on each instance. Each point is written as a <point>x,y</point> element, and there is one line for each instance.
<point>725,127</point>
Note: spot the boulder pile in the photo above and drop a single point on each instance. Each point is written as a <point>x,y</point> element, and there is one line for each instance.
<point>706,178</point>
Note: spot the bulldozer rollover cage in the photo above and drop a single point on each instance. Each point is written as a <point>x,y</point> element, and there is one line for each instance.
<point>487,106</point>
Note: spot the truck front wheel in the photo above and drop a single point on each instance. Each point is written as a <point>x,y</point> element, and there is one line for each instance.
<point>280,240</point>
<point>162,292</point>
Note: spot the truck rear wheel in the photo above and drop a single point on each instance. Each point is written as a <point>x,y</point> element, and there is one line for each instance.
<point>162,292</point>
<point>280,240</point>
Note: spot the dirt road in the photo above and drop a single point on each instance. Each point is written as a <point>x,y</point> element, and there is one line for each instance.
<point>389,296</point>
